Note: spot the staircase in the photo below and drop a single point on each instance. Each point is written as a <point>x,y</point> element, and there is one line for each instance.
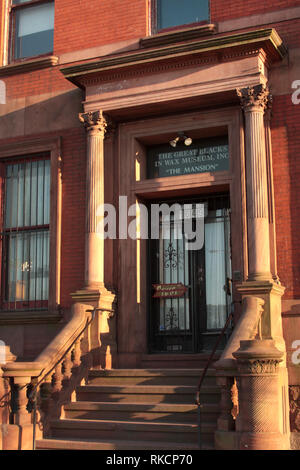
<point>137,409</point>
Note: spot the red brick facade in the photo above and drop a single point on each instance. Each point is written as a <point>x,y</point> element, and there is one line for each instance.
<point>42,102</point>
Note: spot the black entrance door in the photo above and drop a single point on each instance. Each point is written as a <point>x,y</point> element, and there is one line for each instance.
<point>188,296</point>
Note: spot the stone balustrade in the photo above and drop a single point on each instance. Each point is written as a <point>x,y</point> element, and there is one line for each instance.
<point>41,387</point>
<point>248,373</point>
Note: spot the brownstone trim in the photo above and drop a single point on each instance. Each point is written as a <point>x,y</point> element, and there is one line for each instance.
<point>30,65</point>
<point>180,35</point>
<point>133,138</point>
<point>52,145</point>
<point>268,39</point>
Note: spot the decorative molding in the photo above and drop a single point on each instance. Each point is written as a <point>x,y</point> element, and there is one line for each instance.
<point>178,35</point>
<point>267,39</point>
<point>147,69</point>
<point>254,97</point>
<point>294,395</point>
<point>258,366</point>
<point>28,65</point>
<point>94,121</point>
<point>235,400</point>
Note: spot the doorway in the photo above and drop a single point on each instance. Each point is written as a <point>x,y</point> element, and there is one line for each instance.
<point>189,288</point>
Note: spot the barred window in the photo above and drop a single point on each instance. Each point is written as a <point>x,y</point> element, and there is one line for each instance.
<point>25,236</point>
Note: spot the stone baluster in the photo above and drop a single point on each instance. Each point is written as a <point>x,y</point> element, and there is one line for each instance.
<point>20,399</point>
<point>57,379</point>
<point>254,101</point>
<point>225,420</point>
<point>67,367</point>
<point>77,354</point>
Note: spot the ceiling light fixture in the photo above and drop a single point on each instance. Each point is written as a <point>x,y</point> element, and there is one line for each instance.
<point>181,136</point>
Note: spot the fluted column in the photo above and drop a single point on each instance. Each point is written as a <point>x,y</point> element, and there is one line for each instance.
<point>254,101</point>
<point>96,125</point>
<point>95,293</point>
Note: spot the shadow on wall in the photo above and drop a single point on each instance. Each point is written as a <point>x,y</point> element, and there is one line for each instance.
<point>39,114</point>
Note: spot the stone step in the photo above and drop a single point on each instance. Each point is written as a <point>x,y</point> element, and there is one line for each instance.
<point>74,444</point>
<point>132,430</point>
<point>184,377</point>
<point>146,393</point>
<point>162,412</point>
<point>177,361</point>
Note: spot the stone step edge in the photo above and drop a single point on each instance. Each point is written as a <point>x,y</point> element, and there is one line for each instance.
<point>111,445</point>
<point>111,425</point>
<point>151,372</point>
<point>147,389</point>
<point>148,407</point>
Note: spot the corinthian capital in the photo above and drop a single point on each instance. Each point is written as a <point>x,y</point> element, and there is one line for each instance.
<point>257,96</point>
<point>94,121</point>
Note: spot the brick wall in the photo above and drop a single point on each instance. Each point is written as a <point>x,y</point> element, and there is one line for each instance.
<point>222,10</point>
<point>97,22</point>
<point>83,24</point>
<point>286,167</point>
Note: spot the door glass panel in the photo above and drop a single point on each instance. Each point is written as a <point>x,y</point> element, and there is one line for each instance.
<point>188,287</point>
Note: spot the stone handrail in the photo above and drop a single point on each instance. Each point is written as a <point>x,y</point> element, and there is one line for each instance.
<point>248,327</point>
<point>53,376</point>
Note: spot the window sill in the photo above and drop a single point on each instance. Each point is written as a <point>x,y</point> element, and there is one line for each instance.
<point>28,65</point>
<point>25,318</point>
<point>180,35</point>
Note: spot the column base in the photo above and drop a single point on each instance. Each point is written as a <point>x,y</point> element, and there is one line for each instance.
<point>103,331</point>
<point>271,292</point>
<point>263,441</point>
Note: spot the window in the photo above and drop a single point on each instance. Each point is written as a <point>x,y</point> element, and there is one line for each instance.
<point>32,27</point>
<point>25,234</point>
<point>171,13</point>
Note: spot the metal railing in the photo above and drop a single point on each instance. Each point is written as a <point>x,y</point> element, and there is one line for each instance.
<point>201,380</point>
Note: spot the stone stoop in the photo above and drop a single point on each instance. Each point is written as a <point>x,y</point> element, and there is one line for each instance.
<point>137,409</point>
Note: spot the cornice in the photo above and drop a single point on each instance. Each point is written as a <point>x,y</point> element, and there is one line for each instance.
<point>228,45</point>
<point>28,66</point>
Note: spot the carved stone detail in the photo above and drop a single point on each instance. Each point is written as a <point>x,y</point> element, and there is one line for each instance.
<point>235,400</point>
<point>294,395</point>
<point>257,96</point>
<point>259,367</point>
<point>94,121</point>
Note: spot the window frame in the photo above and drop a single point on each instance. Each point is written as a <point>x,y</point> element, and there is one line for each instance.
<point>7,232</point>
<point>12,29</point>
<point>34,148</point>
<point>154,23</point>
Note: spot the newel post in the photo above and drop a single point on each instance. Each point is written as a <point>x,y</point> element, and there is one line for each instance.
<point>258,423</point>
